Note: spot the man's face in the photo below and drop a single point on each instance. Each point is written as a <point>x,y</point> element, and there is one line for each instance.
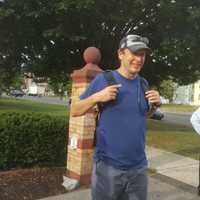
<point>132,62</point>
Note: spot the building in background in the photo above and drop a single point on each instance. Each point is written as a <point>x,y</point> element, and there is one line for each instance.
<point>188,94</point>
<point>36,86</point>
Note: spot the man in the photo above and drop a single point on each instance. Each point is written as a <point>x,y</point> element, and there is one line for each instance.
<point>195,120</point>
<point>120,165</point>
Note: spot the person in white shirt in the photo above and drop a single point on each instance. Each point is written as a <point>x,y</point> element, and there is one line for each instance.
<point>195,120</point>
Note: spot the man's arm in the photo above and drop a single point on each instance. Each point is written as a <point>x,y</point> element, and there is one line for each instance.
<point>153,97</point>
<point>80,107</point>
<point>195,120</point>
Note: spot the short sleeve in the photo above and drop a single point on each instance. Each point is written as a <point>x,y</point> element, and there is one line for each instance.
<point>144,84</point>
<point>96,85</point>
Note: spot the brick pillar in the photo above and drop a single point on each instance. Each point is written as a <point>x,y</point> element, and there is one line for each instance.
<point>81,129</point>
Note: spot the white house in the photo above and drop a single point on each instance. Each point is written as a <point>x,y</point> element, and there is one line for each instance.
<point>188,94</point>
<point>35,86</point>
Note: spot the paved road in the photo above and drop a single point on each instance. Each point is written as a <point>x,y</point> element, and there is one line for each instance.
<point>172,117</point>
<point>178,118</point>
<point>48,100</point>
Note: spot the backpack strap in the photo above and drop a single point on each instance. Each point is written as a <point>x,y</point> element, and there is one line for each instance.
<point>144,85</point>
<point>108,75</point>
<point>110,79</point>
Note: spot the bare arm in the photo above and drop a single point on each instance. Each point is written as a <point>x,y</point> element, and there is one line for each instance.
<point>80,107</point>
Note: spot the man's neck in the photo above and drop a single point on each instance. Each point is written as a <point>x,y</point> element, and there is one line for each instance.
<point>126,74</point>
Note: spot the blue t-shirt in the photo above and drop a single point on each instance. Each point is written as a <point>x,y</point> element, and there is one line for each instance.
<point>120,135</point>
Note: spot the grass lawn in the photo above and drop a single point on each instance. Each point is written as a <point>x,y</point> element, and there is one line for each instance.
<point>171,137</point>
<point>21,105</point>
<point>178,108</point>
<point>175,138</point>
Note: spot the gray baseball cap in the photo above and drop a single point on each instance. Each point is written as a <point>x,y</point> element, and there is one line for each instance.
<point>134,43</point>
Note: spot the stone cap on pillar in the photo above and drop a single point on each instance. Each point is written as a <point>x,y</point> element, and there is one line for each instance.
<point>92,57</point>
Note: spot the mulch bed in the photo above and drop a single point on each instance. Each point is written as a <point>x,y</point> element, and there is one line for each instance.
<point>31,184</point>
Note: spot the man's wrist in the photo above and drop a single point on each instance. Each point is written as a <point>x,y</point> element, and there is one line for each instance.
<point>157,104</point>
<point>94,98</point>
<point>160,104</point>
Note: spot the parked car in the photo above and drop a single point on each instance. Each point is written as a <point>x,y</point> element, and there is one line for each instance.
<point>17,93</point>
<point>157,115</point>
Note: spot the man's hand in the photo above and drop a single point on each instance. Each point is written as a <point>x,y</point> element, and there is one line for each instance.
<point>107,94</point>
<point>153,97</point>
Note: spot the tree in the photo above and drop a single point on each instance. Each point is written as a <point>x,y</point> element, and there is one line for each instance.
<point>49,37</point>
<point>69,87</point>
<point>9,80</point>
<point>58,86</point>
<point>167,88</point>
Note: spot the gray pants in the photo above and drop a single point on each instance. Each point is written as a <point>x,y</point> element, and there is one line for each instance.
<point>109,183</point>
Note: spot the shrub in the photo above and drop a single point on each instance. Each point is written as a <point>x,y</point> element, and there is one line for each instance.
<point>32,139</point>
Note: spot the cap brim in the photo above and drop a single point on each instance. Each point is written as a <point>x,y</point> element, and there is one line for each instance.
<point>139,47</point>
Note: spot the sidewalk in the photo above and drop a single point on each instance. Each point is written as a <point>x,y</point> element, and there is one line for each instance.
<point>179,168</point>
<point>175,166</point>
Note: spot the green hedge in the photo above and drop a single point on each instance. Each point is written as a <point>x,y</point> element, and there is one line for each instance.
<point>32,139</point>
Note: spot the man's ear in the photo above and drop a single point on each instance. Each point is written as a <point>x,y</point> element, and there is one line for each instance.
<point>120,53</point>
